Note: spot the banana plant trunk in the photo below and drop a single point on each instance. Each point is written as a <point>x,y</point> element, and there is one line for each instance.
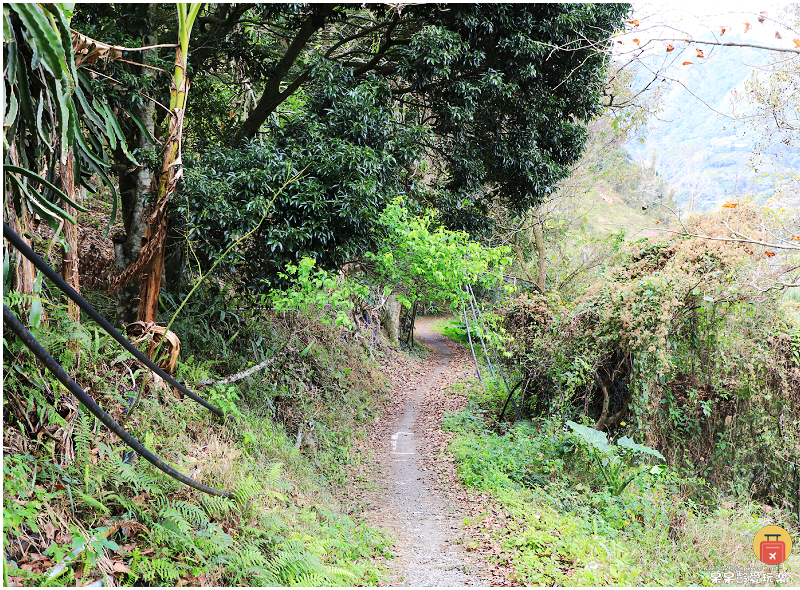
<point>155,236</point>
<point>70,258</point>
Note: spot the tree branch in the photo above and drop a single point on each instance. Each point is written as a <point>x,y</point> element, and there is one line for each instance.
<point>730,44</point>
<point>272,96</point>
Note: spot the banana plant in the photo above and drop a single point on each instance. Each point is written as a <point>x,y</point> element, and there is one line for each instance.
<point>150,263</point>
<point>53,132</point>
<point>615,462</point>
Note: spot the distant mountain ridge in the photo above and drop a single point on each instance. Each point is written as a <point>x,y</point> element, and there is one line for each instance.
<point>705,155</point>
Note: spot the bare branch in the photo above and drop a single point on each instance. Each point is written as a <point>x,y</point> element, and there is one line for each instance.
<point>729,44</point>
<point>741,240</point>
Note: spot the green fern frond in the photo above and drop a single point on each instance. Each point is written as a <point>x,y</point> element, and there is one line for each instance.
<point>241,564</point>
<point>309,580</point>
<point>125,503</point>
<point>83,440</point>
<point>293,562</point>
<point>341,572</point>
<point>260,576</point>
<point>192,513</point>
<point>156,571</point>
<point>248,490</point>
<point>217,507</point>
<point>165,533</point>
<point>213,540</point>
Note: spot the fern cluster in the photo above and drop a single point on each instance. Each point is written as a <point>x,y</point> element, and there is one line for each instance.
<point>260,536</point>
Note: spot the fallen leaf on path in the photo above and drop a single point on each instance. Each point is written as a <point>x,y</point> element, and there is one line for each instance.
<point>120,567</point>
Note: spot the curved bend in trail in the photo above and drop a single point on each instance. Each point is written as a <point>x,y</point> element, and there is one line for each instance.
<point>416,508</point>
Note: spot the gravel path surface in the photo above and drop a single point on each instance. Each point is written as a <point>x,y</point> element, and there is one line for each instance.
<point>417,501</point>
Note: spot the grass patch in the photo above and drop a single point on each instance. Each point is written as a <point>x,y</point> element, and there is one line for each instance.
<point>562,526</point>
<point>452,328</point>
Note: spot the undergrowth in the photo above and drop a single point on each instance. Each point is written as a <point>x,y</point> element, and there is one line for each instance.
<point>74,494</point>
<point>566,527</point>
<point>672,345</point>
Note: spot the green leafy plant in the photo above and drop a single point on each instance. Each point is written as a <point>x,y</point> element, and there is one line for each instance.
<point>226,398</point>
<point>431,263</point>
<point>616,462</point>
<point>42,71</point>
<point>316,289</point>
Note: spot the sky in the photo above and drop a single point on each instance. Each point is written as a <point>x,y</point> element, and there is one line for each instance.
<point>678,18</point>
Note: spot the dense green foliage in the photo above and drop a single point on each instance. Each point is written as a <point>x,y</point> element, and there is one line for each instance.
<point>511,88</point>
<point>668,345</point>
<point>41,72</point>
<point>431,264</point>
<point>351,153</point>
<point>279,529</point>
<point>462,109</point>
<point>562,524</point>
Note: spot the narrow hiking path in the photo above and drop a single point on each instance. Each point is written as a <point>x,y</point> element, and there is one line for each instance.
<point>418,498</point>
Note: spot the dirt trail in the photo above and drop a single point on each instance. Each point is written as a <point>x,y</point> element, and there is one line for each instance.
<point>419,502</point>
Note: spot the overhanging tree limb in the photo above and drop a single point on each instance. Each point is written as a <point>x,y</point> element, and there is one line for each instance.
<point>272,95</point>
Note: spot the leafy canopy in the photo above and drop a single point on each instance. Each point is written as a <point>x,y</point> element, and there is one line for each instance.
<point>510,89</point>
<point>351,152</point>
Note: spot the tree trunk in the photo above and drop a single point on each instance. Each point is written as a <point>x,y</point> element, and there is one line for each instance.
<point>153,269</point>
<point>391,320</point>
<point>150,264</point>
<point>521,258</point>
<point>69,256</point>
<point>539,237</point>
<point>128,245</point>
<point>133,185</point>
